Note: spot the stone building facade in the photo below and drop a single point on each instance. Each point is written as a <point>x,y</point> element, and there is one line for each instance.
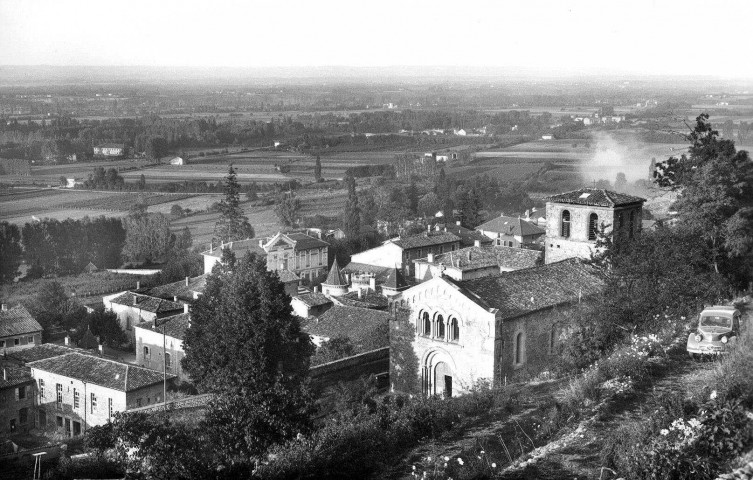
<point>574,218</point>
<point>160,353</point>
<point>16,399</point>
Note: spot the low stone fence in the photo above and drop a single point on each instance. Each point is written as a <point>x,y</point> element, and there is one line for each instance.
<point>194,401</point>
<point>376,362</point>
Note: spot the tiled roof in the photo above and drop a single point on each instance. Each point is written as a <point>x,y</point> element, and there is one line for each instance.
<point>286,276</point>
<point>511,226</point>
<point>595,197</point>
<point>369,299</point>
<point>13,375</point>
<point>521,291</point>
<point>426,239</point>
<point>467,236</point>
<point>175,326</point>
<point>352,322</point>
<point>147,303</point>
<point>314,299</point>
<point>40,352</point>
<point>473,258</point>
<point>335,278</point>
<point>180,289</point>
<point>306,242</point>
<point>111,145</point>
<point>17,321</point>
<point>380,273</point>
<point>239,247</point>
<point>99,371</point>
<point>395,280</point>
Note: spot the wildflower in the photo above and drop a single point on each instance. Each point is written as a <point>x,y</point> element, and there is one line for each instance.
<point>428,459</point>
<point>713,395</point>
<point>446,459</point>
<point>445,465</point>
<point>494,465</point>
<point>664,432</point>
<point>414,467</point>
<point>460,461</point>
<point>482,452</point>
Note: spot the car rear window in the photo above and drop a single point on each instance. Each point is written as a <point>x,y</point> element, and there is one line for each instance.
<point>715,321</point>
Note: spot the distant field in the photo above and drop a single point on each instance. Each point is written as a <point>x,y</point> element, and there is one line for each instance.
<point>263,219</point>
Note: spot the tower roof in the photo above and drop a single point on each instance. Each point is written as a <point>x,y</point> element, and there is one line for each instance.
<point>395,280</point>
<point>598,197</point>
<point>335,278</point>
<point>88,341</point>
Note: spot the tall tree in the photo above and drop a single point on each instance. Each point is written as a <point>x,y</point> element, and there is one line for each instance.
<point>318,169</point>
<point>232,224</point>
<point>352,214</point>
<point>412,197</point>
<point>148,238</point>
<point>259,374</point>
<point>287,209</point>
<point>10,251</point>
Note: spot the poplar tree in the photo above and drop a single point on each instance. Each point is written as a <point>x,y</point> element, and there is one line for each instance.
<point>232,224</point>
<point>352,215</point>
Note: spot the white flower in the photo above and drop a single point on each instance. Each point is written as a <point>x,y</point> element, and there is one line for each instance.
<point>446,459</point>
<point>414,467</point>
<point>664,432</point>
<point>482,452</point>
<point>460,461</point>
<point>494,465</point>
<point>713,395</point>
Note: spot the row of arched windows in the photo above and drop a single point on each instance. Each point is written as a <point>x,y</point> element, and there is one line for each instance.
<point>593,224</point>
<point>436,326</point>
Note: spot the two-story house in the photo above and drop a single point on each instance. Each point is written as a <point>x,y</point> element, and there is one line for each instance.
<point>18,329</point>
<point>511,231</point>
<point>16,399</point>
<point>159,344</point>
<point>292,255</point>
<point>76,390</point>
<point>134,308</point>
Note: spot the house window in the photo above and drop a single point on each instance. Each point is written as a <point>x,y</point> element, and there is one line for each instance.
<point>631,225</point>
<point>440,327</point>
<point>109,407</point>
<point>16,341</point>
<point>76,399</point>
<point>426,324</point>
<point>593,226</point>
<point>565,224</point>
<point>30,339</point>
<point>167,360</point>
<point>59,394</point>
<point>146,351</point>
<point>41,388</point>
<point>520,345</point>
<point>454,330</point>
<point>93,403</point>
<point>23,415</point>
<point>2,343</point>
<point>138,402</point>
<point>21,393</point>
<point>59,421</point>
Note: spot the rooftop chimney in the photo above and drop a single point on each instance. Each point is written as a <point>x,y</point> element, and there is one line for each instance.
<point>101,349</point>
<point>67,340</point>
<point>316,288</point>
<point>135,299</point>
<point>138,284</point>
<point>477,243</point>
<point>430,258</point>
<point>360,293</point>
<point>457,222</point>
<point>5,374</point>
<point>185,308</point>
<point>372,283</point>
<point>175,298</point>
<point>5,307</point>
<point>186,281</point>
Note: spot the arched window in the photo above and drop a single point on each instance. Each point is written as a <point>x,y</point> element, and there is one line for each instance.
<point>454,330</point>
<point>593,226</point>
<point>426,324</point>
<point>565,224</point>
<point>440,327</point>
<point>519,348</point>
<point>631,224</point>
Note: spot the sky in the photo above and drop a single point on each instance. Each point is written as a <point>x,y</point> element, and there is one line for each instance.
<point>685,37</point>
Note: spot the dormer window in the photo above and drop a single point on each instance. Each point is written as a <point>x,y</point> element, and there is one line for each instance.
<point>565,224</point>
<point>593,226</point>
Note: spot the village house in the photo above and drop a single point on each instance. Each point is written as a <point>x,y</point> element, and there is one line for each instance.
<point>499,328</point>
<point>511,231</point>
<point>312,304</point>
<point>477,261</point>
<point>298,254</point>
<point>159,344</point>
<point>16,399</point>
<point>110,150</point>
<point>468,237</point>
<point>575,218</point>
<point>186,291</point>
<point>367,329</point>
<point>401,251</point>
<point>75,390</point>
<point>18,329</point>
<point>134,308</point>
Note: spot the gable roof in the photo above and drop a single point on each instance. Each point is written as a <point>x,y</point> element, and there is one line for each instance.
<point>17,321</point>
<point>474,258</point>
<point>286,276</point>
<point>147,303</point>
<point>425,239</point>
<point>511,226</point>
<point>238,247</point>
<point>314,299</point>
<point>468,237</point>
<point>100,371</point>
<point>369,299</point>
<point>395,280</point>
<point>352,322</point>
<point>306,242</point>
<point>13,375</point>
<point>597,197</point>
<point>522,291</point>
<point>39,352</point>
<point>335,278</point>
<point>180,289</point>
<point>175,326</point>
<point>380,273</point>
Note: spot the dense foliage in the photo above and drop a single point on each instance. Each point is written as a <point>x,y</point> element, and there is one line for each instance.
<point>232,224</point>
<point>10,251</point>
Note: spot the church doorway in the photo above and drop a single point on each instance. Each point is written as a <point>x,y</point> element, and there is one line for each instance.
<point>442,380</point>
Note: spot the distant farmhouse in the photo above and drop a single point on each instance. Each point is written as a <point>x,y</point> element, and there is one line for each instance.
<point>511,231</point>
<point>112,150</point>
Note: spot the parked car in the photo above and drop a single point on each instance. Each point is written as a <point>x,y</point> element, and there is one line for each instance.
<point>718,328</point>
